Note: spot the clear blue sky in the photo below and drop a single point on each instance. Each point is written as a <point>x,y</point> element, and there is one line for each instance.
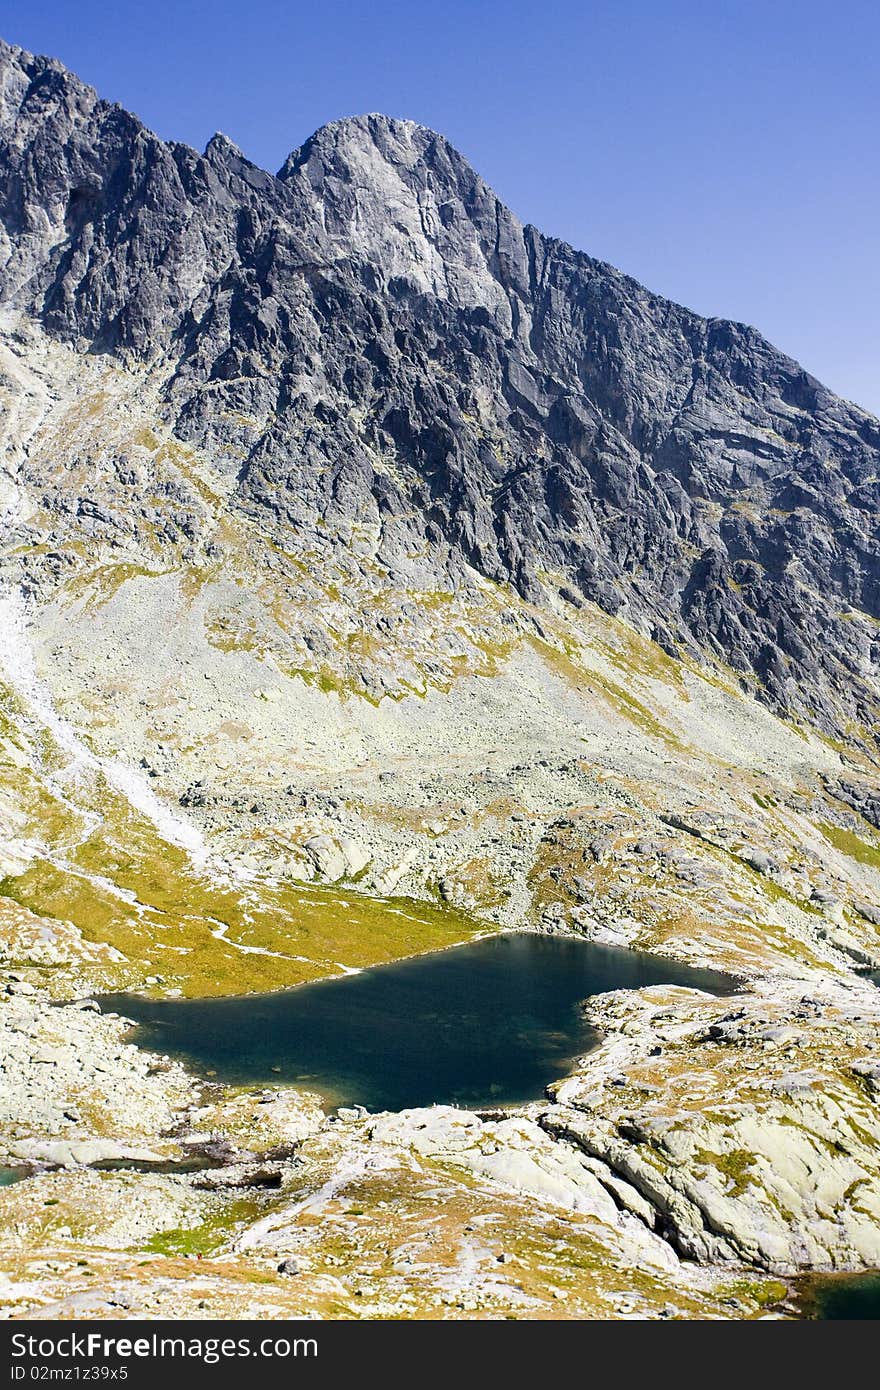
<point>725,152</point>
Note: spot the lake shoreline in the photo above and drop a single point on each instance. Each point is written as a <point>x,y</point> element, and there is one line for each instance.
<point>446,999</point>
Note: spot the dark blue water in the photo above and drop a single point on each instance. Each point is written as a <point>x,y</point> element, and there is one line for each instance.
<point>486,1023</point>
<point>855,1297</point>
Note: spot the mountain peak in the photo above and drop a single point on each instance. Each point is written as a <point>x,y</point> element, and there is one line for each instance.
<point>221,146</point>
<point>401,196</point>
<point>399,141</point>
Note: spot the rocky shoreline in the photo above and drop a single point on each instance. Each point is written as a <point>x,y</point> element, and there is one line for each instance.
<point>714,1144</point>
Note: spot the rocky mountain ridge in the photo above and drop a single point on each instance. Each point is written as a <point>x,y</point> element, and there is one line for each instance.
<point>370,339</point>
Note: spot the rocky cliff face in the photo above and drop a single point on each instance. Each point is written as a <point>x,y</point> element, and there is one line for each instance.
<point>371,339</point>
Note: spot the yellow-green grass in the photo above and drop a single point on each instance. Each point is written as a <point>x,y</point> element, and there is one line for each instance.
<point>204,938</point>
<point>851,844</point>
<point>105,868</point>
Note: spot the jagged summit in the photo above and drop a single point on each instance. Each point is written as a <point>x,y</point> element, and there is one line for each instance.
<point>490,398</point>
<point>220,146</point>
<point>398,140</point>
<point>372,125</point>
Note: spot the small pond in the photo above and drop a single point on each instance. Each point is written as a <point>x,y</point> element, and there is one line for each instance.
<point>843,1296</point>
<point>10,1175</point>
<point>491,1022</point>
